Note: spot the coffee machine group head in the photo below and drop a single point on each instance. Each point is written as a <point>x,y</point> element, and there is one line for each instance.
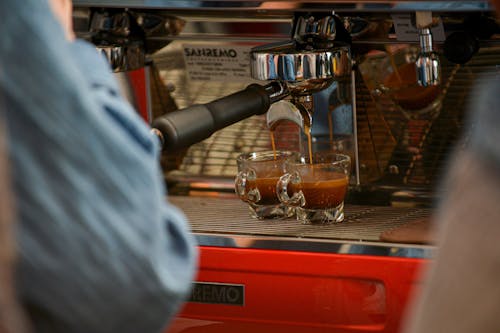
<point>317,55</point>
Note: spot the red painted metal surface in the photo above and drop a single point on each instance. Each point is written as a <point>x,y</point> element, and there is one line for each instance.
<point>140,87</point>
<point>302,292</point>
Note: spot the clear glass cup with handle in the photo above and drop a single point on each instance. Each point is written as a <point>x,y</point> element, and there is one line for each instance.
<point>316,189</point>
<point>255,183</point>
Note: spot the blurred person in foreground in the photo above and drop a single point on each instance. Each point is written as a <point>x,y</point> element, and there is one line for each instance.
<point>100,249</point>
<point>461,289</point>
<point>11,315</point>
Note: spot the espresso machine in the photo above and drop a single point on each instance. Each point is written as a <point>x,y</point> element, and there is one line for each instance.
<point>386,82</point>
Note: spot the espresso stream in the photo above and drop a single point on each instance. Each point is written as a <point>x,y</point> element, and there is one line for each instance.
<point>307,131</point>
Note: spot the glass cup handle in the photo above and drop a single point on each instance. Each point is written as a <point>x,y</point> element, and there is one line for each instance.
<point>241,187</point>
<point>282,191</point>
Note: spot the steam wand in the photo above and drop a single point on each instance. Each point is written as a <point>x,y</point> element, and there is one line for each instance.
<point>427,64</point>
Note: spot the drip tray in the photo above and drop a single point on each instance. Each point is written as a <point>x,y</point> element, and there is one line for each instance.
<point>209,215</point>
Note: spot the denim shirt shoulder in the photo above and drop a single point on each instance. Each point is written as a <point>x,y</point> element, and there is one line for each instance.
<point>98,240</point>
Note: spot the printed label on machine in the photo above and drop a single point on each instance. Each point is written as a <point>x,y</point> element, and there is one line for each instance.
<point>216,62</point>
<point>218,293</point>
<point>406,31</point>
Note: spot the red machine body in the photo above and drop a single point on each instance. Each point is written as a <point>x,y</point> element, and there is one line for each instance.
<point>298,292</point>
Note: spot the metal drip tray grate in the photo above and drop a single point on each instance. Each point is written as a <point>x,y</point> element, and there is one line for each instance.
<point>231,216</point>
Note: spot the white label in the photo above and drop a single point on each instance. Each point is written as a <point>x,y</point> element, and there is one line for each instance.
<point>407,32</point>
<point>216,62</point>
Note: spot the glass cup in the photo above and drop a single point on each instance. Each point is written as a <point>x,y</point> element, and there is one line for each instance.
<point>255,184</point>
<point>317,190</point>
<point>393,74</point>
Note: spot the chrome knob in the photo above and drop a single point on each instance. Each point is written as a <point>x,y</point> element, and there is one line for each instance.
<point>123,58</point>
<point>310,30</point>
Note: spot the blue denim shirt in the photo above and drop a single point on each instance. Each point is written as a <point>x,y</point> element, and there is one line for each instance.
<point>100,248</point>
<point>484,119</point>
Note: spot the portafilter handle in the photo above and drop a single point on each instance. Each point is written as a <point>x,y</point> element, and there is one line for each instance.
<point>182,128</point>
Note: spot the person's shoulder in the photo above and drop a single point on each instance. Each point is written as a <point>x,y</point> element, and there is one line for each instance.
<point>485,98</point>
<point>484,118</point>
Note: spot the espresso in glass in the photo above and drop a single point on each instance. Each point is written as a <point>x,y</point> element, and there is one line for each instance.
<point>322,189</point>
<point>316,188</point>
<point>267,187</point>
<point>255,184</point>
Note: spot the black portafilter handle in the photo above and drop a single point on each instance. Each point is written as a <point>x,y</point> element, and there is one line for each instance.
<point>182,128</point>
